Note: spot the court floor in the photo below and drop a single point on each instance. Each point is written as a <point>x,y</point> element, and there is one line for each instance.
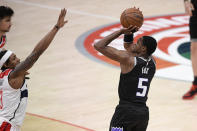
<point>70,92</point>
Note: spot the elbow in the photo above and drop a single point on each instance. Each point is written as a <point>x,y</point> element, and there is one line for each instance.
<point>96,46</point>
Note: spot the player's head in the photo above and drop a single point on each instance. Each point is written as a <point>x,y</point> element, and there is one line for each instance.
<point>5,18</point>
<point>150,43</point>
<point>145,45</point>
<point>8,60</point>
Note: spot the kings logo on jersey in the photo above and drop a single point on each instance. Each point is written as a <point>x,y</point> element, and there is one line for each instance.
<point>172,54</point>
<point>116,129</point>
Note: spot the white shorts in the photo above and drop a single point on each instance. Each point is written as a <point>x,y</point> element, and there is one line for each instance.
<point>8,126</point>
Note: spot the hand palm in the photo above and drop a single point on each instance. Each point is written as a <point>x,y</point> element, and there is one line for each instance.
<point>61,22</point>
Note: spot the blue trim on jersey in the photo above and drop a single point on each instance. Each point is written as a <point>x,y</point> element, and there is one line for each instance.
<point>24,93</point>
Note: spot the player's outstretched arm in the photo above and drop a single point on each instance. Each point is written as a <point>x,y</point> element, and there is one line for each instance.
<point>113,53</point>
<point>40,47</point>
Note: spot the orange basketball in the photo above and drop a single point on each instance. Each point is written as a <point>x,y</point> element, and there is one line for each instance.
<point>131,16</point>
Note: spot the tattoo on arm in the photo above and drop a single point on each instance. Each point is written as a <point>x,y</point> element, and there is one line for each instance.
<point>26,65</point>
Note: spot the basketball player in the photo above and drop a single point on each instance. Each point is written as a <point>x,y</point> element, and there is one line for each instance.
<point>6,14</point>
<point>137,70</point>
<point>13,88</point>
<point>191,9</point>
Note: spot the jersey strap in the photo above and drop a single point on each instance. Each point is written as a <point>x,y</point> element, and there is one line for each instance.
<point>2,41</point>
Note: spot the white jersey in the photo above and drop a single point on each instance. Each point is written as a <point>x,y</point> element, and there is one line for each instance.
<point>13,102</point>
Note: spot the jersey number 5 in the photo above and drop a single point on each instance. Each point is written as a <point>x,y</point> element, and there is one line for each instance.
<point>141,86</point>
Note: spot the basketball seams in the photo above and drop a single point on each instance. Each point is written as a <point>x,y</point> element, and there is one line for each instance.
<point>135,17</point>
<point>124,22</point>
<point>134,20</point>
<point>134,14</point>
<point>125,19</point>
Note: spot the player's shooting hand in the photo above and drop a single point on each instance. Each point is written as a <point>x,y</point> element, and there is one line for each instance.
<point>61,22</point>
<point>130,30</point>
<point>188,8</point>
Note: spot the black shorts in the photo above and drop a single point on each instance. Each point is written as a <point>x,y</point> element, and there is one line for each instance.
<point>130,118</point>
<point>193,27</point>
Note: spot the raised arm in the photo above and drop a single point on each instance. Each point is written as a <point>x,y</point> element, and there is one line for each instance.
<point>113,53</point>
<point>39,48</point>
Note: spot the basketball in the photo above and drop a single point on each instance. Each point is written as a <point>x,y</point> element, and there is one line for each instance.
<point>131,16</point>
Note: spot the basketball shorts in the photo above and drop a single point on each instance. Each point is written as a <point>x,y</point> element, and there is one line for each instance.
<point>193,28</point>
<point>7,126</point>
<point>130,118</point>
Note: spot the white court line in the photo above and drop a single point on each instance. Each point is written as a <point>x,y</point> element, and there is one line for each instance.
<point>57,8</point>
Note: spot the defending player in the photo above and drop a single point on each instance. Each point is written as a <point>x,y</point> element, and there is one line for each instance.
<point>13,88</point>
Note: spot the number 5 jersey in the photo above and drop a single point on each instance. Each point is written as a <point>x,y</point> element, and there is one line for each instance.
<point>134,86</point>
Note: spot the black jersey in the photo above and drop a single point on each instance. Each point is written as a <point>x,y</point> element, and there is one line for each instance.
<point>194,2</point>
<point>134,86</point>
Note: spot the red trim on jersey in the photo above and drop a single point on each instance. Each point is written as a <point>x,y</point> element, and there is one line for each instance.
<point>2,42</point>
<point>5,73</point>
<point>5,126</point>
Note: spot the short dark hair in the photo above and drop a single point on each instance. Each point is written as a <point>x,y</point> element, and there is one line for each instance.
<point>150,43</point>
<point>2,53</point>
<point>5,11</point>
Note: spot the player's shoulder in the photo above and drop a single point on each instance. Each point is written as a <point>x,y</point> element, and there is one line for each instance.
<point>127,58</point>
